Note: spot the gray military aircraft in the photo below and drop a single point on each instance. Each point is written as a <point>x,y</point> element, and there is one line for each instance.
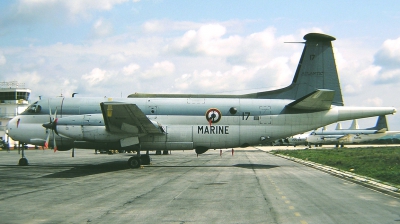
<point>144,122</point>
<point>352,135</point>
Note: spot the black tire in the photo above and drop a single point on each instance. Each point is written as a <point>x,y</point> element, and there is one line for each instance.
<point>134,162</point>
<point>165,152</point>
<point>23,162</point>
<point>158,152</point>
<point>145,159</point>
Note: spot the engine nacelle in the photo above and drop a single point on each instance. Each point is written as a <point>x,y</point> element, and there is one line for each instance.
<point>87,128</point>
<point>89,133</point>
<point>200,149</point>
<point>84,120</point>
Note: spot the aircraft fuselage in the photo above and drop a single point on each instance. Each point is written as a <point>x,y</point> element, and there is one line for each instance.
<point>188,123</point>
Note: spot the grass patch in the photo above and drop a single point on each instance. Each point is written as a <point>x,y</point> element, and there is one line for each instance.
<point>382,163</point>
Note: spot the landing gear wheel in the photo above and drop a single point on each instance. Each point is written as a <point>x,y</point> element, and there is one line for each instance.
<point>23,162</point>
<point>134,162</point>
<point>145,159</point>
<point>158,152</point>
<point>165,152</point>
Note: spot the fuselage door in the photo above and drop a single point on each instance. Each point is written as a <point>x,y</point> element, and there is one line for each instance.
<point>265,115</point>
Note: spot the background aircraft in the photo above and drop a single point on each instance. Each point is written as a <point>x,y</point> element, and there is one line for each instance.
<point>295,140</point>
<point>144,122</point>
<point>352,135</point>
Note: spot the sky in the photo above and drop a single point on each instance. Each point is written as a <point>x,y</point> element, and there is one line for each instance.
<point>114,48</point>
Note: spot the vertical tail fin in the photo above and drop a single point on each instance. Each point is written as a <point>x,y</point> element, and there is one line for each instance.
<point>338,126</point>
<point>316,70</point>
<point>381,124</point>
<point>354,125</point>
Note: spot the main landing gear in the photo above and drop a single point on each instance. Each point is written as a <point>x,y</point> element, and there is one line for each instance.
<point>138,160</point>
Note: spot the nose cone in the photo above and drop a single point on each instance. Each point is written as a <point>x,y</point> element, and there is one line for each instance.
<point>12,125</point>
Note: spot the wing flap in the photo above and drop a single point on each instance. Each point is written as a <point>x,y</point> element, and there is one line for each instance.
<point>122,117</point>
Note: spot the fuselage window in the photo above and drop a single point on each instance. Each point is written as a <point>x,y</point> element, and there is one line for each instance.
<point>34,108</point>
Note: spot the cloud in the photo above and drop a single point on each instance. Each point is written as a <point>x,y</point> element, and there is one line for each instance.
<point>159,69</point>
<point>130,69</point>
<point>101,28</point>
<point>3,59</point>
<point>39,12</point>
<point>166,25</point>
<point>96,76</point>
<point>72,6</point>
<point>159,26</point>
<point>33,77</point>
<point>78,6</point>
<point>391,76</point>
<point>117,58</point>
<point>211,40</point>
<point>207,40</point>
<point>376,101</point>
<point>388,60</point>
<point>389,55</point>
<point>221,62</point>
<point>238,79</point>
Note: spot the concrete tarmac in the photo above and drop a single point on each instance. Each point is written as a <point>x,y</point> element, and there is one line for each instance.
<point>251,186</point>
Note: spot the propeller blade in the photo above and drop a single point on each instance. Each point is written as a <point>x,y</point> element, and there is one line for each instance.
<point>46,143</point>
<point>55,145</point>
<point>55,126</point>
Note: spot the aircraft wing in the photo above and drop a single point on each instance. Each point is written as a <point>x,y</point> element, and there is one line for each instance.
<point>318,100</point>
<point>128,118</point>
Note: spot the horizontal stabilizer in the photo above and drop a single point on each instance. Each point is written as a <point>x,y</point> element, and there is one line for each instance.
<point>318,100</point>
<point>123,117</point>
<point>383,130</point>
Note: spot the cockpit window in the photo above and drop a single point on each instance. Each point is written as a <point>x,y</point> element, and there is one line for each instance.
<point>34,108</point>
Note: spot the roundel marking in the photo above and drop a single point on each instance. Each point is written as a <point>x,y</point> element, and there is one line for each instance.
<point>213,115</point>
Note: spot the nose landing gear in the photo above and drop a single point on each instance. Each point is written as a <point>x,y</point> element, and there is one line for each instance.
<point>23,161</point>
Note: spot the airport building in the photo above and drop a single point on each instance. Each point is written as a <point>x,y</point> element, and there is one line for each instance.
<point>14,98</point>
